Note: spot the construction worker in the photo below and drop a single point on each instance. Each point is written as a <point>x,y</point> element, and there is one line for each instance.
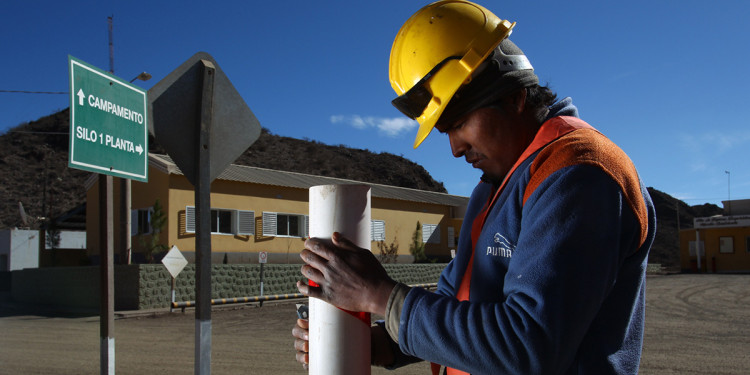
<point>549,275</point>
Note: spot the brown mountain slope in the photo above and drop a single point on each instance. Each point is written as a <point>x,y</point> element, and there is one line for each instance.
<point>34,159</point>
<point>673,215</point>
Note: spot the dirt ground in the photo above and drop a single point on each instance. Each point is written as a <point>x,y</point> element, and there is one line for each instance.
<point>695,324</point>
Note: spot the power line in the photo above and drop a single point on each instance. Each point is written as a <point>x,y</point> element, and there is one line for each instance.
<point>30,132</point>
<point>35,92</point>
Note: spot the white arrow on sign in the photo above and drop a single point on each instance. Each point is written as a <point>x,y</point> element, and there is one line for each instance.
<point>139,149</point>
<point>81,95</point>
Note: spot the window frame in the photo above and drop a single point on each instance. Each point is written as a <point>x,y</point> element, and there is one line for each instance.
<point>271,224</point>
<point>217,223</point>
<point>726,245</point>
<point>136,221</point>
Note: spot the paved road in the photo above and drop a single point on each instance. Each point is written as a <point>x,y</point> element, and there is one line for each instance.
<point>695,324</point>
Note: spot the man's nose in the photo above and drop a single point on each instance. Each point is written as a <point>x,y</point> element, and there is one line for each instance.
<point>458,146</point>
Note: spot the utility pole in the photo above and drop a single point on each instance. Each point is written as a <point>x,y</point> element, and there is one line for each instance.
<point>111,46</point>
<point>125,185</point>
<point>106,247</point>
<point>729,195</point>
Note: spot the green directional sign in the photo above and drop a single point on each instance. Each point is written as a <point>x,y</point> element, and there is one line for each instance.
<point>108,123</point>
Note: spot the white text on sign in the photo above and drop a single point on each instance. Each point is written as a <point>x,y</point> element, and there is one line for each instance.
<point>110,107</point>
<point>107,140</point>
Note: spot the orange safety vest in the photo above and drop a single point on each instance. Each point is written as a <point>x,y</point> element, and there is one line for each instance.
<point>545,135</point>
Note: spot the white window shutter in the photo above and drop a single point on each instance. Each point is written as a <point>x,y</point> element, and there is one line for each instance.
<point>377,230</point>
<point>430,233</point>
<point>190,219</point>
<point>269,223</point>
<point>133,222</point>
<point>435,235</point>
<point>245,222</point>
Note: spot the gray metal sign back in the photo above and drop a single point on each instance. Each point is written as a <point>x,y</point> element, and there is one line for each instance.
<point>204,125</point>
<point>175,103</point>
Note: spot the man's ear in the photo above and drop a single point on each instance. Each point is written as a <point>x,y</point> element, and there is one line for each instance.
<point>519,101</point>
<point>515,103</point>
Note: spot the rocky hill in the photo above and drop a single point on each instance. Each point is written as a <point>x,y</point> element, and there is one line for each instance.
<point>34,170</point>
<point>34,167</point>
<point>673,215</point>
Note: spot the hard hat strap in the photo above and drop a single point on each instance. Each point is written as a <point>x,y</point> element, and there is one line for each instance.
<point>413,102</point>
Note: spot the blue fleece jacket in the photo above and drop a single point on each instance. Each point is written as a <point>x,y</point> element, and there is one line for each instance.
<point>558,280</point>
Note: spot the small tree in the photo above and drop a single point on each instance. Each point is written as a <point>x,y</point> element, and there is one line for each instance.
<point>52,239</point>
<point>157,223</point>
<point>417,246</point>
<point>388,253</point>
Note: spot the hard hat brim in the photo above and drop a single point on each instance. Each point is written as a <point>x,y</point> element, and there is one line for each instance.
<point>448,79</point>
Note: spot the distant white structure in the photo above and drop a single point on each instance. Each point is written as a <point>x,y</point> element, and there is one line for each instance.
<point>19,249</point>
<point>736,207</point>
<point>70,240</point>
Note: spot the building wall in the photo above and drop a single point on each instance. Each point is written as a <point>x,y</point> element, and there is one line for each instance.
<point>401,220</point>
<point>716,260</point>
<point>176,194</point>
<point>19,249</point>
<point>143,195</point>
<point>233,195</point>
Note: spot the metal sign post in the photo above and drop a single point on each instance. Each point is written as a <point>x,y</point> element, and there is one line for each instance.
<point>203,228</point>
<point>204,125</point>
<point>262,259</point>
<point>108,135</point>
<point>106,281</point>
<point>174,262</point>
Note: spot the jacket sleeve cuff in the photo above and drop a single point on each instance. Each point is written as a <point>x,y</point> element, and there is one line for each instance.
<point>393,310</point>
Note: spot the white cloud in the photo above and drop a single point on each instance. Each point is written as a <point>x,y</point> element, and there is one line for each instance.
<point>391,127</point>
<point>714,143</point>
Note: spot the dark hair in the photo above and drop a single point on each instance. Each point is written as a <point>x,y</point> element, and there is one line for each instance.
<point>538,100</point>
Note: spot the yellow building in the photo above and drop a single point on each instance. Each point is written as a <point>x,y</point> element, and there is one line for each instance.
<point>257,210</point>
<point>723,242</point>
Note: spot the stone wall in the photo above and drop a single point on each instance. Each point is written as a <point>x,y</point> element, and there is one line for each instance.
<point>148,286</point>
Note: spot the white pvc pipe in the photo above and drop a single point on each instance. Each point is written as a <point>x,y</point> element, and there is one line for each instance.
<point>339,341</point>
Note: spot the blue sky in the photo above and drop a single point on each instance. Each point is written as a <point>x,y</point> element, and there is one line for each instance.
<point>665,80</point>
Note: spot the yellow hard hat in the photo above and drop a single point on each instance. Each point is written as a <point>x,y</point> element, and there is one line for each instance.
<point>435,52</point>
